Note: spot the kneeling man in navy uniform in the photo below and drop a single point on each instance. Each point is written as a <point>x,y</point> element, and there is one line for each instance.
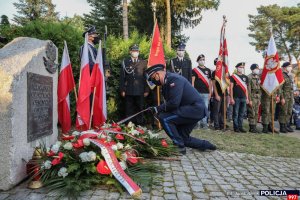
<point>182,109</point>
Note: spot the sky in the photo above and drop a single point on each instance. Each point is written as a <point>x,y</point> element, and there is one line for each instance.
<point>205,38</point>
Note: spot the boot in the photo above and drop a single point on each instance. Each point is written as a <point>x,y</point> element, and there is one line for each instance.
<point>282,128</point>
<point>270,129</point>
<point>252,128</point>
<point>289,128</point>
<point>265,128</point>
<point>242,130</point>
<point>255,129</point>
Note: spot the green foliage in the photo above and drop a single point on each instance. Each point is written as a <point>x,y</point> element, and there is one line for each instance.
<point>103,13</point>
<point>4,21</point>
<point>118,49</point>
<point>30,10</point>
<point>285,23</point>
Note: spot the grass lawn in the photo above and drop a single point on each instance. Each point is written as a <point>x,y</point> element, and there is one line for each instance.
<point>260,144</point>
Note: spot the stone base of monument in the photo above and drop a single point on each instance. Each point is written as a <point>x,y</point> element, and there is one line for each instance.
<point>28,104</point>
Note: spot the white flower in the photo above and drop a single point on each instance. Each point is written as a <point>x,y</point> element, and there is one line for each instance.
<point>114,147</point>
<point>48,149</point>
<point>130,125</point>
<point>63,172</point>
<point>108,138</point>
<point>92,156</point>
<point>134,132</point>
<point>123,165</point>
<point>76,133</point>
<point>124,157</point>
<point>143,128</point>
<point>87,156</point>
<point>153,135</point>
<point>47,164</point>
<point>86,142</point>
<point>102,135</point>
<point>127,146</point>
<point>55,148</point>
<point>58,143</point>
<point>120,145</point>
<point>68,146</point>
<point>105,125</point>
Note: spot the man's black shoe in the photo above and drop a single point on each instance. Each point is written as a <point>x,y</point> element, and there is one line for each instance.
<point>236,130</point>
<point>213,147</point>
<point>242,130</point>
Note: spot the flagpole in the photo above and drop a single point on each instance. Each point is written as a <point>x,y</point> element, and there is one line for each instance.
<point>224,109</point>
<point>158,103</point>
<point>92,110</point>
<point>75,93</point>
<point>272,112</point>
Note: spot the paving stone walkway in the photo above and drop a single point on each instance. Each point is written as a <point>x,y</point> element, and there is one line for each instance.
<point>200,175</point>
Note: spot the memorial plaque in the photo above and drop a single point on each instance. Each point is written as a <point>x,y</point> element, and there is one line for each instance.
<point>39,106</point>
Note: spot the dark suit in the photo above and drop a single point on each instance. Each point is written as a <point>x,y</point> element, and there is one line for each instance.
<point>183,67</point>
<point>133,83</point>
<point>182,109</point>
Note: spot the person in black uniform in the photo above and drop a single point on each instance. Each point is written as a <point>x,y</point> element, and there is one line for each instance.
<point>93,39</point>
<point>180,64</point>
<point>182,109</point>
<point>133,86</point>
<point>201,80</point>
<point>239,97</point>
<point>218,102</point>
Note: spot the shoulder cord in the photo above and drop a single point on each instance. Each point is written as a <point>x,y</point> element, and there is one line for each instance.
<point>126,70</point>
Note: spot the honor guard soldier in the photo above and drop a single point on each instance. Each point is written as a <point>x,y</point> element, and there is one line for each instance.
<point>182,109</point>
<point>201,81</point>
<point>254,93</point>
<point>239,96</point>
<point>93,39</point>
<point>133,86</point>
<point>286,99</point>
<point>180,64</point>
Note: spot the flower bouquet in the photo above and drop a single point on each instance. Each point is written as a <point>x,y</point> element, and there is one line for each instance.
<point>113,155</point>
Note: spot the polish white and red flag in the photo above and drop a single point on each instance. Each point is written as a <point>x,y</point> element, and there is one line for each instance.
<point>84,91</point>
<point>65,85</point>
<point>98,83</point>
<point>271,77</point>
<point>222,73</point>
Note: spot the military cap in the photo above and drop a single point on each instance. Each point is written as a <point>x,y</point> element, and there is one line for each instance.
<point>134,47</point>
<point>91,30</point>
<point>240,64</point>
<point>253,66</point>
<point>286,64</point>
<point>215,61</point>
<point>200,56</point>
<point>181,46</point>
<point>151,70</point>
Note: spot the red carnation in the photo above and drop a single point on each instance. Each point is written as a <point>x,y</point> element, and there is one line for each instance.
<point>140,130</point>
<point>68,137</point>
<point>114,125</point>
<point>164,143</point>
<point>78,144</point>
<point>119,137</point>
<point>131,157</point>
<point>56,161</point>
<point>50,153</point>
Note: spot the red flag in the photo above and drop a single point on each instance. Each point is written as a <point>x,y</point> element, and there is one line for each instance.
<point>98,82</point>
<point>271,77</point>
<point>156,55</point>
<point>221,73</point>
<point>84,91</point>
<point>66,84</point>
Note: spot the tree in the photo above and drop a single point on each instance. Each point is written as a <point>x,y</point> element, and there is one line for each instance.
<point>107,13</point>
<point>285,24</point>
<point>125,19</point>
<point>4,20</point>
<point>30,10</point>
<point>168,19</point>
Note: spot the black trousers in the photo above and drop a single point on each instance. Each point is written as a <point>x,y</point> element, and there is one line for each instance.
<point>134,104</point>
<point>218,113</point>
<point>179,130</point>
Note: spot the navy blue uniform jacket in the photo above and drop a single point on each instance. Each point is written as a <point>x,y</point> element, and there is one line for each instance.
<point>181,98</point>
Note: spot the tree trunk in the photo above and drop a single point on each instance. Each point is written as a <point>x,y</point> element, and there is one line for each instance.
<point>168,31</point>
<point>125,19</point>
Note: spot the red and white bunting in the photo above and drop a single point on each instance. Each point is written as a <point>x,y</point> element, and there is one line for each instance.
<point>202,76</point>
<point>240,83</point>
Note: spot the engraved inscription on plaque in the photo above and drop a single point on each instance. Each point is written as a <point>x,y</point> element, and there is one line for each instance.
<point>39,106</point>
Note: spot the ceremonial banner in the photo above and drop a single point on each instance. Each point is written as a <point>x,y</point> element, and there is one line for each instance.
<point>221,73</point>
<point>65,85</point>
<point>271,77</point>
<point>83,102</point>
<point>98,82</point>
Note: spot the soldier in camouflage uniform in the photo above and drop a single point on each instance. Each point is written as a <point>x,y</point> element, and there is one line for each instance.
<point>254,93</point>
<point>286,99</point>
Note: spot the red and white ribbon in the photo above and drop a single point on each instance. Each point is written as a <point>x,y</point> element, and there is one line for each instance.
<point>202,76</point>
<point>240,83</point>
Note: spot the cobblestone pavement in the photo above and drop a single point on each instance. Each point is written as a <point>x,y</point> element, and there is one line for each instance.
<point>201,175</point>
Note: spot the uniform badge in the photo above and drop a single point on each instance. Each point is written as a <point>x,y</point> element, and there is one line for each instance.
<point>172,85</point>
<point>206,72</point>
<point>244,79</point>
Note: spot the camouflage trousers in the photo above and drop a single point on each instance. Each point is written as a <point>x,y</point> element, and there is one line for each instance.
<point>253,111</point>
<point>266,108</point>
<point>285,111</point>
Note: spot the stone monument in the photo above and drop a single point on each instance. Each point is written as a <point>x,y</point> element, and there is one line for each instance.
<point>28,104</point>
